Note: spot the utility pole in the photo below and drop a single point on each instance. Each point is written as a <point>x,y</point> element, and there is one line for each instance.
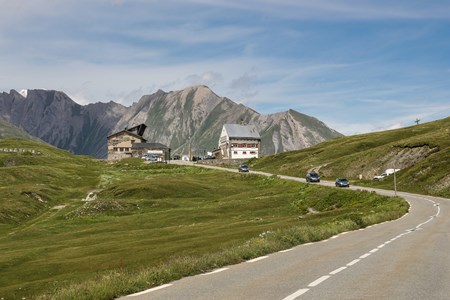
<point>395,182</point>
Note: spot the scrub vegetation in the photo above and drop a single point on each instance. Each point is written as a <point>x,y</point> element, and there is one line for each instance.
<point>148,224</point>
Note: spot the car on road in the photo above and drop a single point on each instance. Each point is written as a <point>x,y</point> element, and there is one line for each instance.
<point>243,168</point>
<point>342,182</point>
<point>312,177</point>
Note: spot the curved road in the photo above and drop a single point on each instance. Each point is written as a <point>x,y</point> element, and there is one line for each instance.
<point>408,258</point>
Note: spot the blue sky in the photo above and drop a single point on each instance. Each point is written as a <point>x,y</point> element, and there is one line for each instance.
<point>359,66</point>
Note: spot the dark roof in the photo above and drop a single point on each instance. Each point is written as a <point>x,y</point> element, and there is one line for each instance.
<point>149,146</point>
<point>139,129</point>
<point>242,131</point>
<point>127,132</point>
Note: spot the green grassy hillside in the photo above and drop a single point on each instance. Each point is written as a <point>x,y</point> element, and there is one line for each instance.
<point>422,152</point>
<point>150,223</point>
<point>36,177</point>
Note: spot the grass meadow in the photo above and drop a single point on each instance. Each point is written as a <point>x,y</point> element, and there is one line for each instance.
<point>152,223</point>
<point>422,152</point>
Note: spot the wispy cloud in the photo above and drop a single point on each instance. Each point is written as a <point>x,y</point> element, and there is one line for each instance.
<point>358,65</point>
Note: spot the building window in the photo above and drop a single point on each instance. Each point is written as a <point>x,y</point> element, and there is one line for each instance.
<point>121,149</point>
<point>115,149</point>
<point>234,145</point>
<point>234,152</point>
<point>244,152</point>
<point>126,150</point>
<point>252,152</point>
<point>240,145</point>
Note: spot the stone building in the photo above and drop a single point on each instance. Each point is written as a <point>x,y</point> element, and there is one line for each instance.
<point>130,143</point>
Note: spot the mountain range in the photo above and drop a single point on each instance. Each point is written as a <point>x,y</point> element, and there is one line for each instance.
<point>190,117</point>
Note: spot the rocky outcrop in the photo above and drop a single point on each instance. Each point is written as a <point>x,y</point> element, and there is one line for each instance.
<point>56,119</point>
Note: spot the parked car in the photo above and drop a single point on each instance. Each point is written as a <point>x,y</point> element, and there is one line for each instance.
<point>342,182</point>
<point>312,177</point>
<point>151,158</point>
<point>379,177</point>
<point>385,174</point>
<point>243,168</point>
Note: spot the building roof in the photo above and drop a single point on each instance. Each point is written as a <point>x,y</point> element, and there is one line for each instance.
<point>128,133</point>
<point>139,129</point>
<point>149,146</point>
<point>242,131</point>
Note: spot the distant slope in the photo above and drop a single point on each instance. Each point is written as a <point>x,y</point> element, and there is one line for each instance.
<point>422,152</point>
<point>7,130</point>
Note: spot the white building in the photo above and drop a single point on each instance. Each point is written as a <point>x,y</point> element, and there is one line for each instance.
<point>239,142</point>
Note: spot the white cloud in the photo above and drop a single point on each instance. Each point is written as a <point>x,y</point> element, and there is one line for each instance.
<point>209,78</point>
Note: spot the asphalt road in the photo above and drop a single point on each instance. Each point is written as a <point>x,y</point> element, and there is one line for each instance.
<point>408,258</point>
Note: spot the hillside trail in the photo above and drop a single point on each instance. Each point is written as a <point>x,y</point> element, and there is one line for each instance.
<point>50,213</point>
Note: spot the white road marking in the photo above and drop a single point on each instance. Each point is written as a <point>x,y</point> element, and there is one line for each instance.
<point>381,246</point>
<point>287,250</point>
<point>374,250</point>
<point>257,259</point>
<point>337,270</point>
<point>365,255</point>
<point>150,290</point>
<point>215,271</point>
<point>318,281</point>
<point>353,262</point>
<point>296,294</point>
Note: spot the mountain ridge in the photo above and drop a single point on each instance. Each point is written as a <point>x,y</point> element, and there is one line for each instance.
<point>191,117</point>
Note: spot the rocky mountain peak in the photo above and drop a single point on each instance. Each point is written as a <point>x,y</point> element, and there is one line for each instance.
<point>190,117</point>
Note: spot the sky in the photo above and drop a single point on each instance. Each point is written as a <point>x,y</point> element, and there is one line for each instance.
<point>357,65</point>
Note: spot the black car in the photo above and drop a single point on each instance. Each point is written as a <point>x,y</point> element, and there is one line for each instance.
<point>312,177</point>
<point>243,168</point>
<point>342,182</point>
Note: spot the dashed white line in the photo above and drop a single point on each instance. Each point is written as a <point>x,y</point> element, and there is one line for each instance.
<point>338,270</point>
<point>318,281</point>
<point>296,294</point>
<point>150,290</point>
<point>353,262</point>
